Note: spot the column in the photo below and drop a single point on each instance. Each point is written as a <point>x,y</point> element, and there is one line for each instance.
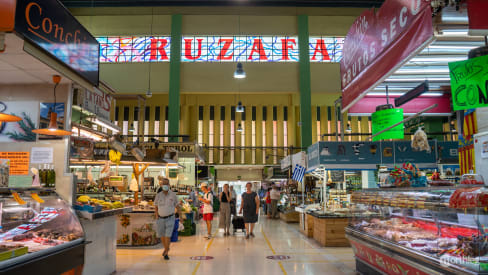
<point>355,128</point>
<point>206,119</point>
<point>324,123</point>
<point>259,134</point>
<point>305,82</point>
<point>292,123</point>
<point>193,122</point>
<point>174,77</point>
<point>280,132</point>
<point>227,134</point>
<point>314,124</point>
<point>269,134</point>
<point>248,132</point>
<point>364,127</point>
<point>217,133</point>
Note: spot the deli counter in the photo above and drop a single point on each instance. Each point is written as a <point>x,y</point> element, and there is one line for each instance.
<point>433,230</point>
<point>39,231</point>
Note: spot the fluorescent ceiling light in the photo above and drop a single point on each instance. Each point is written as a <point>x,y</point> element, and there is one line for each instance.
<point>427,94</point>
<point>453,32</point>
<point>84,133</point>
<point>433,58</point>
<point>417,79</point>
<point>427,70</point>
<point>452,47</point>
<point>104,123</point>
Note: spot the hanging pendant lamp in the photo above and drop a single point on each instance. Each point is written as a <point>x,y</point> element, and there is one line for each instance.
<point>239,108</point>
<point>239,128</point>
<point>52,129</point>
<point>239,73</point>
<point>6,117</point>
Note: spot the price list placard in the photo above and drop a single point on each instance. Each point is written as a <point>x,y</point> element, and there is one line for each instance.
<point>19,162</point>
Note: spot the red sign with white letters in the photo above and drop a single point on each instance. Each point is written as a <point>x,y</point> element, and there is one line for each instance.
<point>378,43</point>
<point>382,262</point>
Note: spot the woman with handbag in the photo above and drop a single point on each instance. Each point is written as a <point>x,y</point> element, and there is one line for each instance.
<point>225,199</point>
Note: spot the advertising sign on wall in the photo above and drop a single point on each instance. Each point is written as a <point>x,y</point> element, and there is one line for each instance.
<point>359,155</point>
<point>469,83</point>
<point>118,49</point>
<point>95,101</point>
<point>378,42</point>
<point>49,25</point>
<point>383,119</point>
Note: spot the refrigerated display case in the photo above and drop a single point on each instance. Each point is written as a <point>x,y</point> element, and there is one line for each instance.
<point>43,230</point>
<point>433,230</point>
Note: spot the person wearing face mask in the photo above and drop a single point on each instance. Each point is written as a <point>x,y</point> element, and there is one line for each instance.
<point>166,204</point>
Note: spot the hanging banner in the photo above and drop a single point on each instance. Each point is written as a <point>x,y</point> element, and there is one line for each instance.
<point>378,43</point>
<point>96,101</point>
<point>469,80</point>
<point>383,119</point>
<point>478,25</point>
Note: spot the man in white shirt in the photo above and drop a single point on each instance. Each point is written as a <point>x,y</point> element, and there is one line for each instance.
<point>275,196</point>
<point>166,203</point>
<point>207,208</point>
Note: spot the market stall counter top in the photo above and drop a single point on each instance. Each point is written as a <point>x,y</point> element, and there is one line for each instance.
<point>100,231</point>
<point>329,229</point>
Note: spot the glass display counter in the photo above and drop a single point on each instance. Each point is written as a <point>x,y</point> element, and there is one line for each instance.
<point>39,230</point>
<point>434,230</point>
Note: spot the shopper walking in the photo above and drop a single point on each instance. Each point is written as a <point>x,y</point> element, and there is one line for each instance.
<point>207,201</point>
<point>224,221</point>
<point>233,201</point>
<point>275,196</point>
<point>166,204</point>
<point>250,205</point>
<point>267,201</point>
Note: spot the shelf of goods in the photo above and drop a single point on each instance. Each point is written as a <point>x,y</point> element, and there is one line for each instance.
<point>433,230</point>
<point>39,231</point>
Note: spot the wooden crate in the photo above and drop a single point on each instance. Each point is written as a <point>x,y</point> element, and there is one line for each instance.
<point>290,217</point>
<point>330,231</point>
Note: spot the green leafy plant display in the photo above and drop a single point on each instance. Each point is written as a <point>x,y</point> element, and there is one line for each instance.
<point>26,125</point>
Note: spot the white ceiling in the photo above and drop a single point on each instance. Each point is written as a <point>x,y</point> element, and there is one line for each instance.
<point>19,67</point>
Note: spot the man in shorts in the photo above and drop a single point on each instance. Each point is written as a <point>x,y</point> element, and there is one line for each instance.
<point>166,204</point>
<point>207,208</point>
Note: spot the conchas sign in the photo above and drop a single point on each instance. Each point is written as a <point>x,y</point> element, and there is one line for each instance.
<point>378,43</point>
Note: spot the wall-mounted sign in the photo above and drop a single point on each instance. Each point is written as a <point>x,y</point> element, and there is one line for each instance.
<point>19,162</point>
<point>358,155</point>
<point>218,49</point>
<point>41,155</point>
<point>377,42</point>
<point>469,83</point>
<point>383,119</point>
<point>49,25</point>
<point>96,101</point>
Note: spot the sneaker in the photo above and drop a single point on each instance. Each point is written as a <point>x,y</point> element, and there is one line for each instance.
<point>247,237</point>
<point>166,257</point>
<point>252,235</point>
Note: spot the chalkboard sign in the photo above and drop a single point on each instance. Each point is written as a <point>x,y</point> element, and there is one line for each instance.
<point>337,176</point>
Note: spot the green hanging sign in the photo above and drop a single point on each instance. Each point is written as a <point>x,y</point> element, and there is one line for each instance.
<point>469,82</point>
<point>383,119</point>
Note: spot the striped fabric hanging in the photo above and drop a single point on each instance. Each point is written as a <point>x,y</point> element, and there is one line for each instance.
<point>466,144</point>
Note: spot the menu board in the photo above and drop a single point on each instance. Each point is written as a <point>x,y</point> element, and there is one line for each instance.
<point>19,162</point>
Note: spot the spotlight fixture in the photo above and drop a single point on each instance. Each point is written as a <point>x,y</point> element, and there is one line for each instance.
<point>348,129</point>
<point>239,108</point>
<point>239,73</point>
<point>52,129</point>
<point>239,128</point>
<point>131,129</point>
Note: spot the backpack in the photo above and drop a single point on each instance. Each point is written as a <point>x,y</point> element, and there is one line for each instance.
<point>216,204</point>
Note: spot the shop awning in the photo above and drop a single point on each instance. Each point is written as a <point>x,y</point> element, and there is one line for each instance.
<point>425,60</point>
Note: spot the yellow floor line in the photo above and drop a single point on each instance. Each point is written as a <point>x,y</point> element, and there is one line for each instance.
<point>204,254</point>
<point>267,241</point>
<point>282,268</point>
<point>274,252</point>
<point>196,268</point>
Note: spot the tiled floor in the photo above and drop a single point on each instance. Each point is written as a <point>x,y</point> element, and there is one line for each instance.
<point>236,255</point>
